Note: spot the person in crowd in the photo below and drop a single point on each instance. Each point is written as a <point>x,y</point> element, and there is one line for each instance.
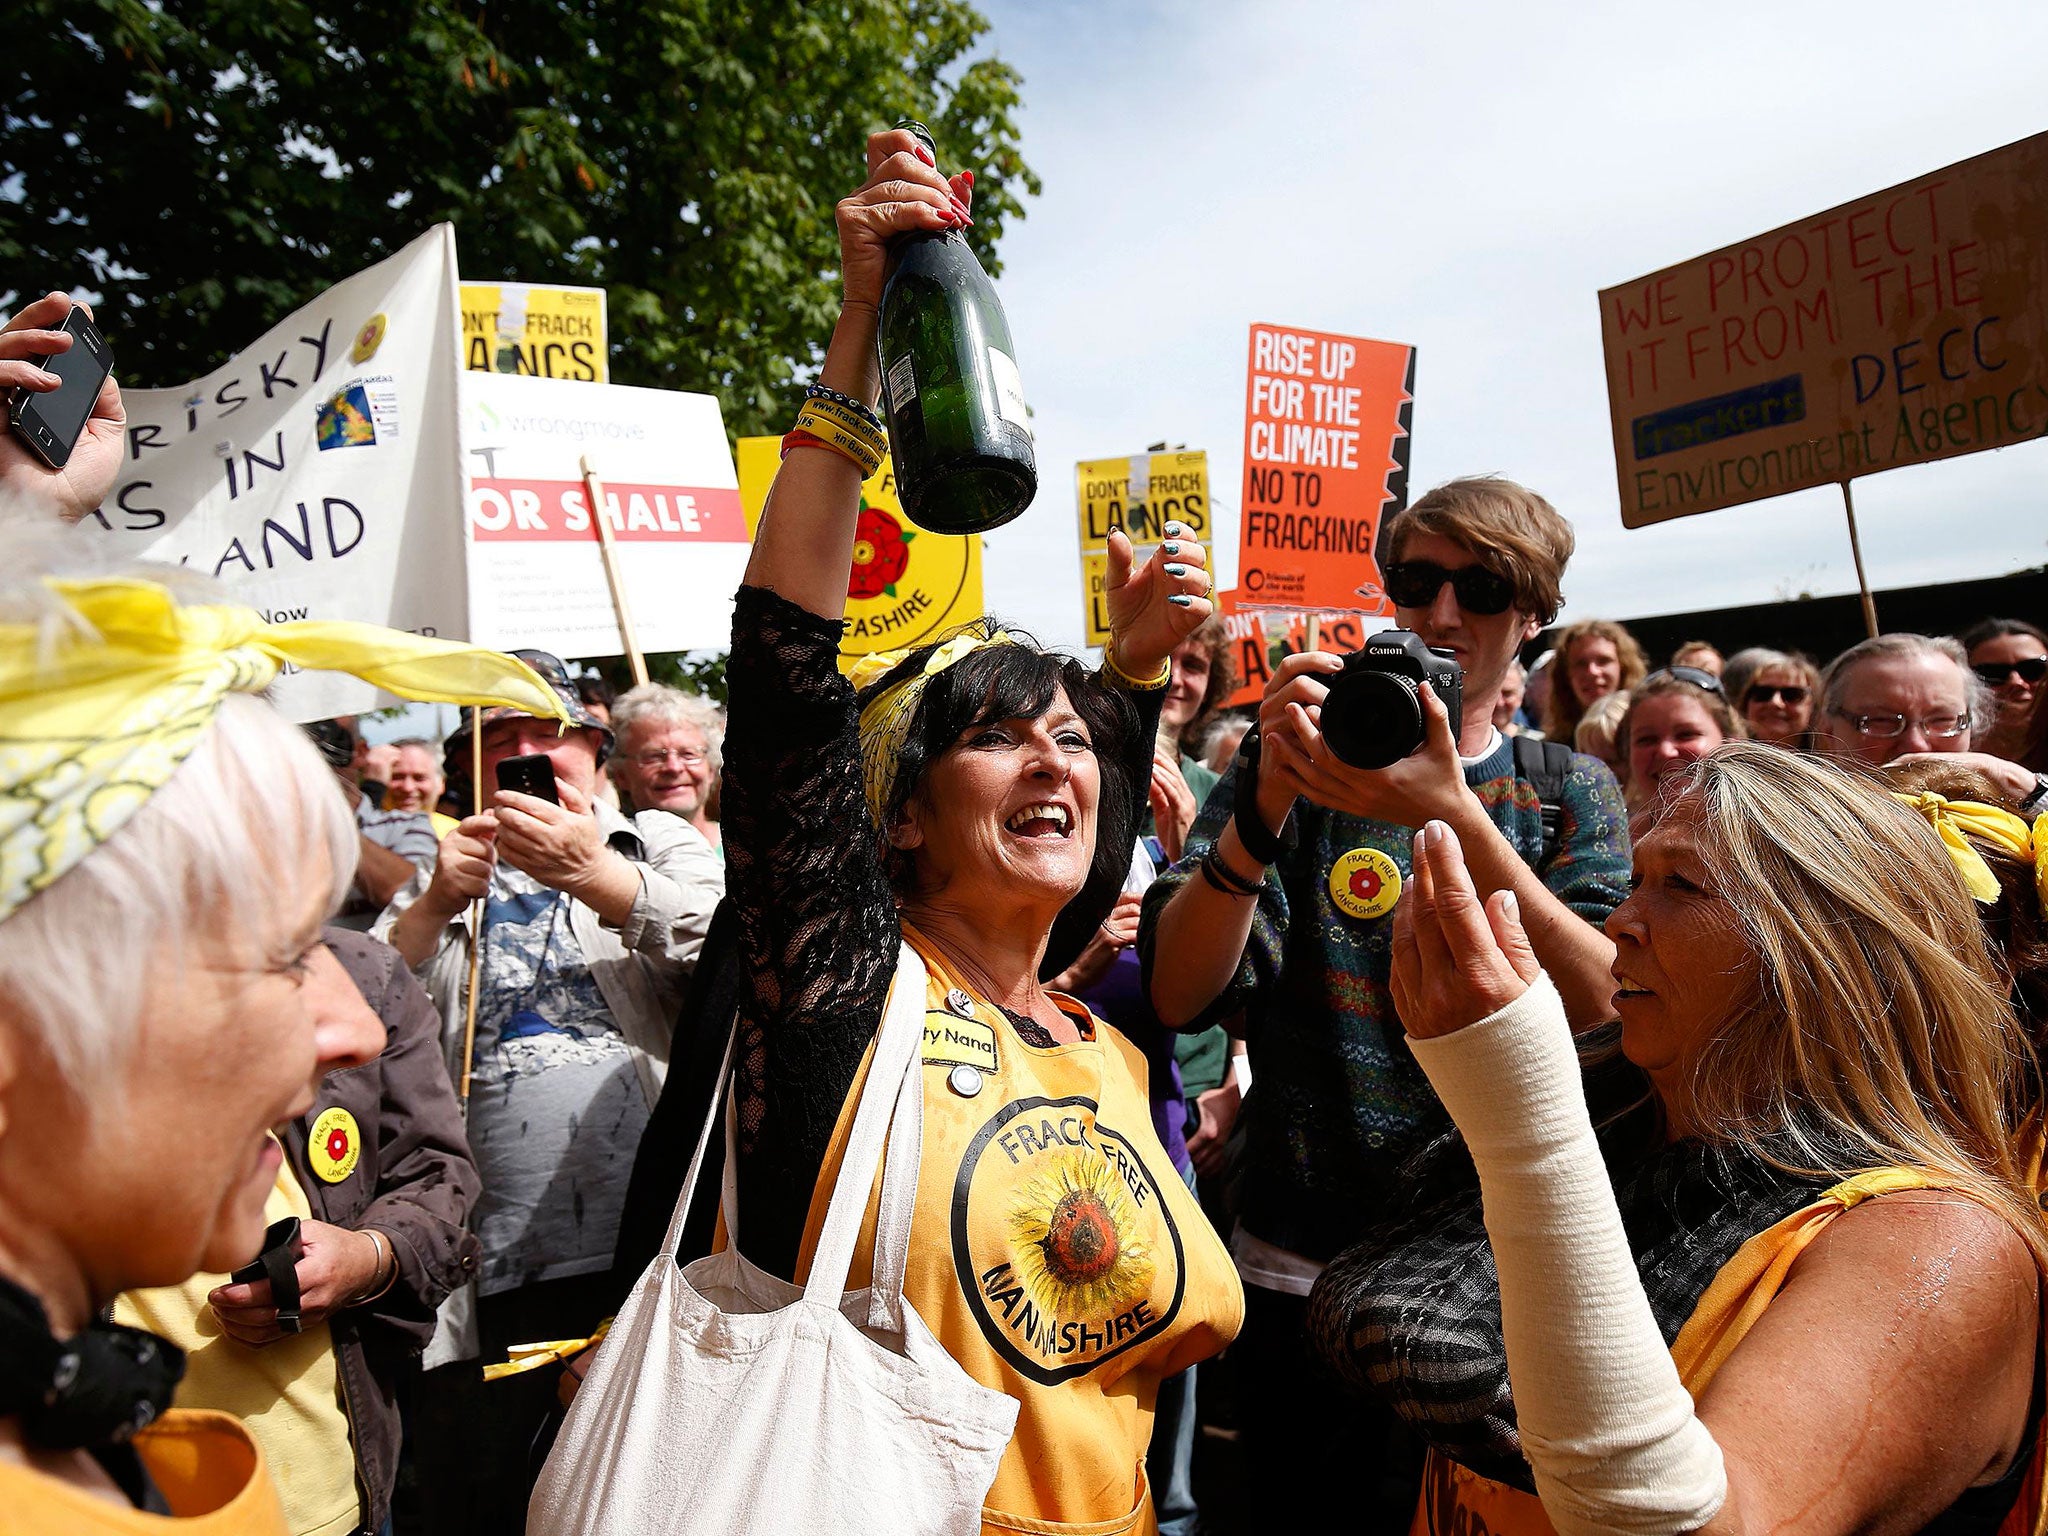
<point>1301,951</point>
<point>1220,746</point>
<point>978,800</point>
<point>1204,675</point>
<point>1810,1238</point>
<point>1536,693</point>
<point>27,484</point>
<point>1675,717</point>
<point>1597,735</point>
<point>598,696</point>
<point>1513,688</point>
<point>141,1081</point>
<point>418,784</point>
<point>670,745</point>
<point>378,1179</point>
<point>1777,697</point>
<point>591,924</point>
<point>2011,658</point>
<point>1907,695</point>
<point>1700,655</point>
<point>393,847</point>
<point>1738,669</point>
<point>1596,657</point>
<point>375,764</point>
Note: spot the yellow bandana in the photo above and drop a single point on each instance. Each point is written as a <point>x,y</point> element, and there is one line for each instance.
<point>1955,821</point>
<point>95,721</point>
<point>885,719</point>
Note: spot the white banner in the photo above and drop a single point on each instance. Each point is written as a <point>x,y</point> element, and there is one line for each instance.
<point>317,472</point>
<point>536,576</point>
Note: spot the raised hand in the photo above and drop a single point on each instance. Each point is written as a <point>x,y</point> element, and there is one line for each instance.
<point>1456,960</point>
<point>86,478</point>
<point>903,192</point>
<point>1153,607</point>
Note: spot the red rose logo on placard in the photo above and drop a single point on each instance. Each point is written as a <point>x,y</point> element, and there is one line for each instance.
<point>881,551</point>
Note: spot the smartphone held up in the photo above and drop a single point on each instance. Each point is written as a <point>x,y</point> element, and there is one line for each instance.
<point>533,775</point>
<point>49,421</point>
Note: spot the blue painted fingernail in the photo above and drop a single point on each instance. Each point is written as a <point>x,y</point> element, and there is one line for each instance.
<point>1175,528</point>
<point>1171,549</point>
<point>1176,570</point>
<point>1180,600</point>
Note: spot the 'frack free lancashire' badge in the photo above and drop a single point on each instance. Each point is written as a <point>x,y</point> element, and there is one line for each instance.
<point>1365,883</point>
<point>335,1146</point>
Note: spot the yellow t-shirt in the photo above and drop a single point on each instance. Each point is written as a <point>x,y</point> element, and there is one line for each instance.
<point>209,1471</point>
<point>287,1393</point>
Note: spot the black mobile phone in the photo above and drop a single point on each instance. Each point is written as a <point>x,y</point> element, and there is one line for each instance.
<point>532,775</point>
<point>49,421</point>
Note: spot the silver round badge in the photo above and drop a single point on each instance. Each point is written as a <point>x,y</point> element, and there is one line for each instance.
<point>960,1003</point>
<point>965,1081</point>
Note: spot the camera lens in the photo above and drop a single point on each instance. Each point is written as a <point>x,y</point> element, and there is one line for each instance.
<point>1372,719</point>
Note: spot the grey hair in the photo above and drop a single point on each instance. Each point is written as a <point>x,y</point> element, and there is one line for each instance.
<point>1834,682</point>
<point>659,704</point>
<point>220,854</point>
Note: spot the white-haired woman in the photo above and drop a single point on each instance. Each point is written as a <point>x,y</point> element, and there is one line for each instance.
<point>169,849</point>
<point>1802,1290</point>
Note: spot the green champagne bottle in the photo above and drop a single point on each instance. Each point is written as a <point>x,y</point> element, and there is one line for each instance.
<point>959,430</point>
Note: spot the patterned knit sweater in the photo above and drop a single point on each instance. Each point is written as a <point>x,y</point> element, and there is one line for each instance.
<point>1337,1101</point>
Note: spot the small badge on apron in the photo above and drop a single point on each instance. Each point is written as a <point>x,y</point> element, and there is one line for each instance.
<point>957,1043</point>
<point>335,1146</point>
<point>965,1081</point>
<point>1365,883</point>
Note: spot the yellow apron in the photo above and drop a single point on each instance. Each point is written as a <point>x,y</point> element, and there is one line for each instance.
<point>204,1464</point>
<point>1054,1252</point>
<point>1457,1499</point>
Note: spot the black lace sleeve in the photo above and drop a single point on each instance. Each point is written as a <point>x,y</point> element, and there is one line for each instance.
<point>817,930</point>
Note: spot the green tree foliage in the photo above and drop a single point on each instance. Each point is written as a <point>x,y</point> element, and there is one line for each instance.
<point>209,165</point>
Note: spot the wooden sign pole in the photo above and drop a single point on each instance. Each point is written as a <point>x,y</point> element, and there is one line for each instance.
<point>476,908</point>
<point>1856,549</point>
<point>594,489</point>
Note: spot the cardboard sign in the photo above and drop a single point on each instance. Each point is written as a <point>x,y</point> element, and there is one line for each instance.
<point>1326,427</point>
<point>315,473</point>
<point>1140,494</point>
<point>531,328</point>
<point>1907,326</point>
<point>907,586</point>
<point>1253,653</point>
<point>1338,632</point>
<point>671,497</point>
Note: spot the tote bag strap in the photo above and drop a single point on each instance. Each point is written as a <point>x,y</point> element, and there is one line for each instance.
<point>711,1118</point>
<point>892,1093</point>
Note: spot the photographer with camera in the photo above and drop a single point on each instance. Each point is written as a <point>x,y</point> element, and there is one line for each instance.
<point>1282,907</point>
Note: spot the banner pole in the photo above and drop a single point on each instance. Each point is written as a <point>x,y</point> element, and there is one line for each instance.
<point>1856,549</point>
<point>594,489</point>
<point>476,908</point>
<point>1312,632</point>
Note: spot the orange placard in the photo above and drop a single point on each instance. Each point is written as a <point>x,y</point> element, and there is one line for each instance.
<point>1339,632</point>
<point>1326,425</point>
<point>1903,327</point>
<point>1249,647</point>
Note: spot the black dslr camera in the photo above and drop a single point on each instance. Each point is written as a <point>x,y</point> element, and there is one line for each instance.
<point>1373,715</point>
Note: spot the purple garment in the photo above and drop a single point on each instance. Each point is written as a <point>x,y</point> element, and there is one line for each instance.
<point>1119,999</point>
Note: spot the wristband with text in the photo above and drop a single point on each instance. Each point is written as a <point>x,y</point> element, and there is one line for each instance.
<point>1261,844</point>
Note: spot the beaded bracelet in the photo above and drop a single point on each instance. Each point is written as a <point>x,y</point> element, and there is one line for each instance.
<point>820,392</point>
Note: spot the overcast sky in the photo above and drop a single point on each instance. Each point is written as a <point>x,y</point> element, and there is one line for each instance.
<point>1466,178</point>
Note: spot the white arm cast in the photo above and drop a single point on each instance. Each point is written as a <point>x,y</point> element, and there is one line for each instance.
<point>1608,1430</point>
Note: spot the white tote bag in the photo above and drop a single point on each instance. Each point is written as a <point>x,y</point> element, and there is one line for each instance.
<point>727,1401</point>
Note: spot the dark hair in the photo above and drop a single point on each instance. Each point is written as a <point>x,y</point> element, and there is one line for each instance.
<point>1992,629</point>
<point>1013,682</point>
<point>595,688</point>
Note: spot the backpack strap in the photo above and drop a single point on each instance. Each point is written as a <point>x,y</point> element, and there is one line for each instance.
<point>1545,764</point>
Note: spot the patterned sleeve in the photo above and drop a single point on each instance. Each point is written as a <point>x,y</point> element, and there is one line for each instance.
<point>1258,973</point>
<point>816,920</point>
<point>1590,871</point>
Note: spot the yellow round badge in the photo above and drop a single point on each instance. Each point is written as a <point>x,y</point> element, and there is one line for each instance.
<point>1365,883</point>
<point>335,1146</point>
<point>368,340</point>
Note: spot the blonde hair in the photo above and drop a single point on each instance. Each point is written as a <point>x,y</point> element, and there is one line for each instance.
<point>1878,1031</point>
<point>1509,529</point>
<point>1561,713</point>
<point>1600,726</point>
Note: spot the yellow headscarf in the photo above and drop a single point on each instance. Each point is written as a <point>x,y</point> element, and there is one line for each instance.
<point>95,720</point>
<point>885,719</point>
<point>1955,821</point>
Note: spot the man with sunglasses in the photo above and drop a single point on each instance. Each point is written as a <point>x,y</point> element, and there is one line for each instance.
<point>1284,914</point>
<point>1900,697</point>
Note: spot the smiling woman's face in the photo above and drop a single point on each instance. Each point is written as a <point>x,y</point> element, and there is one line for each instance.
<point>1682,963</point>
<point>1009,810</point>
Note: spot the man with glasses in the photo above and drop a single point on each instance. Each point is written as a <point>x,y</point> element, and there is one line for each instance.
<point>669,752</point>
<point>1905,696</point>
<point>1281,909</point>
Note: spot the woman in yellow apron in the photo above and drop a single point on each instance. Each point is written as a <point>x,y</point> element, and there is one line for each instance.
<point>1813,1302</point>
<point>169,849</point>
<point>971,797</point>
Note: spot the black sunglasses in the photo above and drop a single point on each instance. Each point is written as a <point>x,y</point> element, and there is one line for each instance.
<point>1999,673</point>
<point>1771,693</point>
<point>1699,677</point>
<point>1415,584</point>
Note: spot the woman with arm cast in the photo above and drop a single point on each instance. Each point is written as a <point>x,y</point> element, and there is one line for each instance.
<point>974,797</point>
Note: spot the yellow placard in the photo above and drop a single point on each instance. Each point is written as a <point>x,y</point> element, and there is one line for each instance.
<point>547,332</point>
<point>908,586</point>
<point>1139,493</point>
